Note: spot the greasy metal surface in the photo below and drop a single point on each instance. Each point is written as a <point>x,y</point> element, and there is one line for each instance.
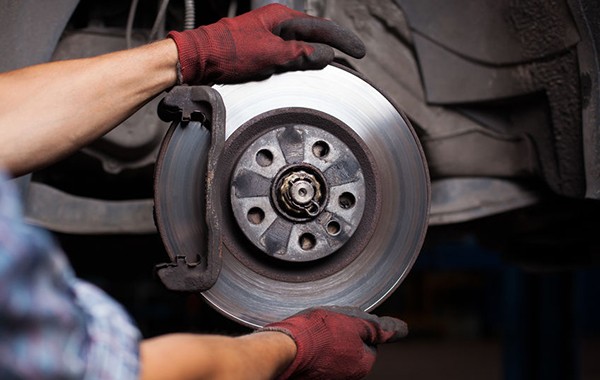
<point>254,299</point>
<point>298,202</point>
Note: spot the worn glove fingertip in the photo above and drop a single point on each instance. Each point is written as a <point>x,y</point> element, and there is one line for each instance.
<point>395,329</point>
<point>356,48</point>
<point>315,58</point>
<point>320,57</point>
<point>349,42</point>
<point>344,39</point>
<point>323,31</point>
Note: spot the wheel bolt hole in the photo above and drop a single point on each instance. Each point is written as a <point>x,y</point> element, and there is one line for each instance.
<point>333,228</point>
<point>307,241</point>
<point>256,215</point>
<point>264,157</point>
<point>347,200</point>
<point>320,149</point>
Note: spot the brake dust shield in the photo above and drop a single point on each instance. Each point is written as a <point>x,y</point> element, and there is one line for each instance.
<point>324,195</point>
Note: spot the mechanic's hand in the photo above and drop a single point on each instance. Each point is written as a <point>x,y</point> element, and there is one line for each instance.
<point>336,342</point>
<point>259,43</point>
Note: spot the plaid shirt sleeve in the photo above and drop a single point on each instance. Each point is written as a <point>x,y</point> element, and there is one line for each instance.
<point>52,325</point>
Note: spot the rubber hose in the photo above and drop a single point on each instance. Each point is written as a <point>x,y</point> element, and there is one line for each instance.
<point>190,15</point>
<point>130,19</point>
<point>159,21</point>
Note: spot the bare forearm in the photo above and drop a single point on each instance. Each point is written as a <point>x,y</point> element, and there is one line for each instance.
<point>50,110</point>
<point>187,356</point>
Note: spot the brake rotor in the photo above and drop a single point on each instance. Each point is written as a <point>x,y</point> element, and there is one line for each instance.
<point>325,195</point>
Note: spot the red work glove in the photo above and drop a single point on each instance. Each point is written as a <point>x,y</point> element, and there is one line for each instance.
<point>259,43</point>
<point>336,342</point>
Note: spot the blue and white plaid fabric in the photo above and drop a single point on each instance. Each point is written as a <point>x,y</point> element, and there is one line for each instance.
<point>52,325</point>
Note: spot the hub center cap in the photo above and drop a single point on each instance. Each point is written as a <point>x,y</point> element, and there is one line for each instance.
<point>299,192</point>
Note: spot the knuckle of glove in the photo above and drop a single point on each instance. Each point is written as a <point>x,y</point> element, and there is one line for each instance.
<point>278,12</point>
<point>269,16</point>
<point>336,342</point>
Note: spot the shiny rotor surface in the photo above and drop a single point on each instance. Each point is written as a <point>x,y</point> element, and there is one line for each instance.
<point>255,300</point>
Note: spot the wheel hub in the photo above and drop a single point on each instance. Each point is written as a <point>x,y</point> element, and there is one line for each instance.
<point>297,191</point>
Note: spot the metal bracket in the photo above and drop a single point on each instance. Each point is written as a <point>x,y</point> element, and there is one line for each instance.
<point>202,108</point>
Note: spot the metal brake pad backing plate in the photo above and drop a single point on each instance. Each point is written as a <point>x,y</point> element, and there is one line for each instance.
<point>329,133</point>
